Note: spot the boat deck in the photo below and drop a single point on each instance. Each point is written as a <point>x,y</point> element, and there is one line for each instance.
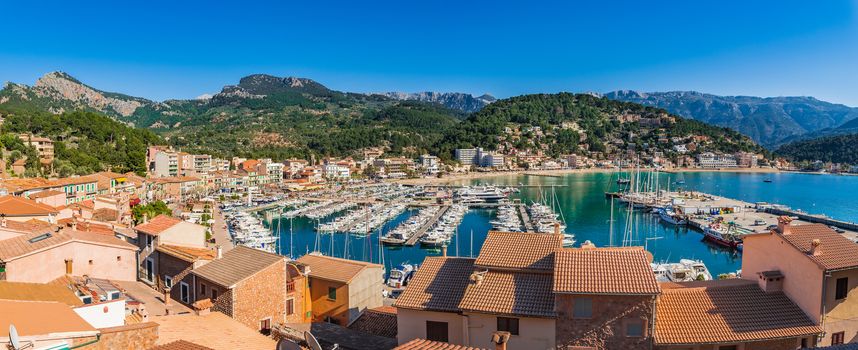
<point>528,225</point>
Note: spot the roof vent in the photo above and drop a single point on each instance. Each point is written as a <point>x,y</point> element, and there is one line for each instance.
<point>784,225</point>
<point>477,277</point>
<point>815,247</point>
<point>40,237</point>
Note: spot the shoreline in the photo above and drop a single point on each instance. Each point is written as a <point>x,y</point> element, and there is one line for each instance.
<point>560,172</point>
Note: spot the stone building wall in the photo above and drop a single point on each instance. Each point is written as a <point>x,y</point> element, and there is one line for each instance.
<point>169,265</point>
<point>606,328</point>
<point>261,296</point>
<point>139,336</point>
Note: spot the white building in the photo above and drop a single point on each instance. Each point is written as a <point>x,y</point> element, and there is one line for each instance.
<point>712,160</point>
<point>468,156</point>
<point>336,171</point>
<point>166,164</point>
<point>491,159</point>
<point>430,164</point>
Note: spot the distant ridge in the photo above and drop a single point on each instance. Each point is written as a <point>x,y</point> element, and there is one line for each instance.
<point>770,121</point>
<point>453,100</point>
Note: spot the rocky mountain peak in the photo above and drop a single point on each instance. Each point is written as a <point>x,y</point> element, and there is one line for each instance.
<point>453,100</point>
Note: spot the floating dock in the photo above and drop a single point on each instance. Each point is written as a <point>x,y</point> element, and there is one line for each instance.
<point>412,240</point>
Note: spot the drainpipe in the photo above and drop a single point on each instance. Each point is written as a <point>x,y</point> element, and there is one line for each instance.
<point>651,334</point>
<point>466,330</point>
<point>825,277</point>
<point>97,338</point>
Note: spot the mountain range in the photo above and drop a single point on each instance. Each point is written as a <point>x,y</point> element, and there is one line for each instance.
<point>770,121</point>
<point>267,116</point>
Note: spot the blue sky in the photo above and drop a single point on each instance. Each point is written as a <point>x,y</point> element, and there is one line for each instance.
<point>181,49</point>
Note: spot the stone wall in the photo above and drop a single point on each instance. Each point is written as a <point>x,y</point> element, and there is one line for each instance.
<point>222,303</point>
<point>261,296</point>
<point>606,328</point>
<point>169,265</point>
<point>297,296</point>
<point>131,337</point>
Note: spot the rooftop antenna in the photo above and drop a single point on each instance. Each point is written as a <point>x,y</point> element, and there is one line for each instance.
<point>313,343</point>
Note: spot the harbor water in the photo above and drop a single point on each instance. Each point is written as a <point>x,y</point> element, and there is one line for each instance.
<point>587,213</point>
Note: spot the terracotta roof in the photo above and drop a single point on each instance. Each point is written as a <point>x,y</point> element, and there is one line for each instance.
<point>18,185</point>
<point>334,269</point>
<point>838,252</point>
<point>188,254</point>
<point>38,292</point>
<point>604,271</point>
<point>46,193</point>
<point>76,180</point>
<point>17,206</point>
<point>157,225</point>
<point>511,293</point>
<point>236,265</point>
<point>105,214</point>
<point>423,344</point>
<point>704,313</point>
<point>214,330</point>
<point>30,243</point>
<point>519,250</point>
<point>175,179</point>
<point>180,345</point>
<point>29,318</point>
<point>380,321</point>
<point>28,226</point>
<point>438,285</point>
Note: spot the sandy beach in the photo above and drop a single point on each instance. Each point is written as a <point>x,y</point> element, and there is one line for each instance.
<point>557,172</point>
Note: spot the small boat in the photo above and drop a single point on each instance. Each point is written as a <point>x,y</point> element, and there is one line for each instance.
<point>623,181</point>
<point>767,180</point>
<point>671,217</point>
<point>399,276</point>
<point>715,233</point>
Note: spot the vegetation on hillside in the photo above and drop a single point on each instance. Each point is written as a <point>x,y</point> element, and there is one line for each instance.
<point>834,149</point>
<point>84,142</point>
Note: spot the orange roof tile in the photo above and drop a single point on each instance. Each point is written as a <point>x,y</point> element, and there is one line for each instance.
<point>157,225</point>
<point>519,250</point>
<point>38,292</point>
<point>214,330</point>
<point>380,321</point>
<point>29,318</point>
<point>511,293</point>
<point>17,206</point>
<point>423,344</point>
<point>438,285</point>
<point>187,253</point>
<point>26,244</point>
<point>705,313</point>
<point>334,269</point>
<point>604,271</point>
<point>28,226</point>
<point>46,193</point>
<point>837,252</point>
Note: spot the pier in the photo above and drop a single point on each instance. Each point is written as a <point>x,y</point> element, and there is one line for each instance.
<point>412,240</point>
<point>528,225</point>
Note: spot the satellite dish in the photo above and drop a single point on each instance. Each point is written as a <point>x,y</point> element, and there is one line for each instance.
<point>311,341</point>
<point>13,337</point>
<point>284,344</point>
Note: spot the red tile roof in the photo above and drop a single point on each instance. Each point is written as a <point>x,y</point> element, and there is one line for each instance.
<point>17,206</point>
<point>519,250</point>
<point>837,252</point>
<point>157,225</point>
<point>510,293</point>
<point>712,312</point>
<point>180,345</point>
<point>334,269</point>
<point>26,244</point>
<point>423,344</point>
<point>604,271</point>
<point>380,321</point>
<point>438,285</point>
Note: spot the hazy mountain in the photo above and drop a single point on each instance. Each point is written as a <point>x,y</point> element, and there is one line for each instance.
<point>453,100</point>
<point>770,121</point>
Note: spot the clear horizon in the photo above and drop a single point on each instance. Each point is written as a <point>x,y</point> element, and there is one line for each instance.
<point>159,52</point>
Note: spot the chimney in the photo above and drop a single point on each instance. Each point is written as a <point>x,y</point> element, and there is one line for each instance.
<point>3,221</point>
<point>770,281</point>
<point>556,231</point>
<point>815,247</point>
<point>444,250</point>
<point>145,218</point>
<point>500,338</point>
<point>477,277</point>
<point>784,225</point>
<point>74,224</point>
<point>166,296</point>
<point>218,252</point>
<point>588,245</point>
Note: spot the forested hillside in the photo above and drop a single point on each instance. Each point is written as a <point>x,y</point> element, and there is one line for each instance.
<point>836,149</point>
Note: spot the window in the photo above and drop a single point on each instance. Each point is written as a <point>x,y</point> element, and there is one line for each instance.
<point>508,324</point>
<point>184,292</point>
<point>214,294</point>
<point>436,331</point>
<point>837,338</point>
<point>332,293</point>
<point>583,308</point>
<point>203,289</point>
<point>149,241</point>
<point>728,347</point>
<point>69,265</point>
<point>265,326</point>
<point>118,257</point>
<point>168,282</point>
<point>115,295</point>
<point>290,307</point>
<point>290,286</point>
<point>842,288</point>
<point>90,261</point>
<point>635,328</point>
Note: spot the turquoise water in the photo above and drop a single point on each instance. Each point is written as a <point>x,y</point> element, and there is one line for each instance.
<point>588,216</point>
